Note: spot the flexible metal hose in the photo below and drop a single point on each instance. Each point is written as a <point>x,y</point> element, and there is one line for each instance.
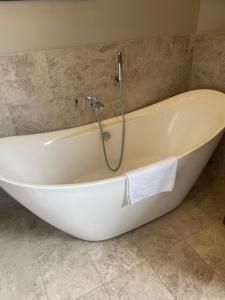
<point>113,169</point>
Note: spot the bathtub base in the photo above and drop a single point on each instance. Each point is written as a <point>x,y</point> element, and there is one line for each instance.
<point>99,212</point>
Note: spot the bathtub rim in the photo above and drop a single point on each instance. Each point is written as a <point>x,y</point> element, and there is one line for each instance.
<point>93,126</point>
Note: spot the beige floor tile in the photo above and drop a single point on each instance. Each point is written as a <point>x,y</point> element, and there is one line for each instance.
<point>213,203</point>
<point>200,190</point>
<point>6,201</point>
<point>98,294</point>
<point>155,238</point>
<point>15,222</point>
<point>210,245</point>
<point>215,290</point>
<point>65,265</point>
<point>186,248</point>
<point>20,277</point>
<point>188,222</point>
<point>183,272</point>
<point>114,256</point>
<point>139,283</point>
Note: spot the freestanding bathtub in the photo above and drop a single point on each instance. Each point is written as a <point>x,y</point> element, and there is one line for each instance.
<point>62,178</point>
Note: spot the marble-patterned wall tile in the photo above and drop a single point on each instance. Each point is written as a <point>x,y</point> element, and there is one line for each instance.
<point>25,93</point>
<point>33,117</point>
<point>24,78</point>
<point>157,69</point>
<point>208,72</point>
<point>87,68</point>
<point>7,127</point>
<point>38,89</point>
<point>208,62</point>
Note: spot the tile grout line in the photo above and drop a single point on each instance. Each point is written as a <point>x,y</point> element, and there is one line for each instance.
<point>86,294</point>
<point>103,285</point>
<point>215,271</point>
<point>162,282</point>
<point>185,239</point>
<point>38,263</point>
<point>156,273</point>
<point>39,269</point>
<point>203,259</point>
<point>107,292</point>
<point>121,273</point>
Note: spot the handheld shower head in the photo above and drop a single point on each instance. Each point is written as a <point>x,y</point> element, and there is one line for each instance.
<point>120,61</point>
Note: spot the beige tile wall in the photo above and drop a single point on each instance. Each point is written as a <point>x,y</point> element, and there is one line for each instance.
<point>208,68</point>
<point>208,71</point>
<point>37,89</point>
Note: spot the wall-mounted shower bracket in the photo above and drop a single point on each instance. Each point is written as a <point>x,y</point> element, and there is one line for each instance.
<point>116,82</point>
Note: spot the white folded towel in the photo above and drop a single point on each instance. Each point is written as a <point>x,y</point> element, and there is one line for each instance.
<point>151,180</point>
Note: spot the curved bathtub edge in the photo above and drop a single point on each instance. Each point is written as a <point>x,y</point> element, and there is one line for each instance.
<point>102,181</point>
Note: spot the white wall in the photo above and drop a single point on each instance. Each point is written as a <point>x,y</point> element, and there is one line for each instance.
<point>211,16</point>
<point>41,24</point>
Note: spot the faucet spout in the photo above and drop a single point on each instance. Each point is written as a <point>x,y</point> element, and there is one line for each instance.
<point>94,101</point>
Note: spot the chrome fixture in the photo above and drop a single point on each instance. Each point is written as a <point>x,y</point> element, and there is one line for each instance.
<point>95,102</point>
<point>119,78</point>
<point>105,135</point>
<point>120,66</point>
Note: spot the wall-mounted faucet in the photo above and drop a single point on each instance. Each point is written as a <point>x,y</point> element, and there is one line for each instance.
<point>94,101</point>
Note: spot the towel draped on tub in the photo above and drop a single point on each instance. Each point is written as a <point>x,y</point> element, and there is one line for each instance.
<point>150,180</point>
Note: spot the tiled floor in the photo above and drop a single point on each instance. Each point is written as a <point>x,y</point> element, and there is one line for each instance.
<point>179,256</point>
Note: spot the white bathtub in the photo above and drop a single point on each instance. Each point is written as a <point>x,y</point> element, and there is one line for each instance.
<point>61,176</point>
